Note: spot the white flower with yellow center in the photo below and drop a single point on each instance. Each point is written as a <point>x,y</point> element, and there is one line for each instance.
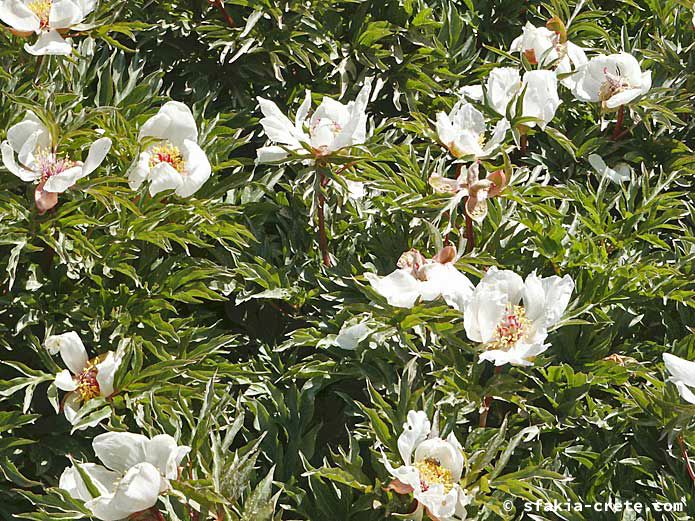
<point>464,132</point>
<point>38,161</point>
<point>431,471</point>
<point>136,471</point>
<point>546,48</point>
<point>511,332</point>
<point>173,161</point>
<point>425,279</point>
<point>84,379</point>
<point>50,19</point>
<point>332,127</point>
<point>613,81</point>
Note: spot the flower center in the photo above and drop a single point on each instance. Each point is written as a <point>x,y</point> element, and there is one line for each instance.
<point>611,86</point>
<point>87,384</point>
<point>42,9</point>
<point>49,164</point>
<point>167,153</point>
<point>513,327</point>
<point>433,473</point>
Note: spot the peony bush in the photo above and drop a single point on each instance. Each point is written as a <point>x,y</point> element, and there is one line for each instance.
<point>347,260</point>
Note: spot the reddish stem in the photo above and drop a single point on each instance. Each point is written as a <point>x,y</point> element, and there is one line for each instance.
<point>617,131</point>
<point>470,232</point>
<point>684,451</point>
<point>487,403</point>
<point>323,238</point>
<point>220,7</point>
<point>523,144</point>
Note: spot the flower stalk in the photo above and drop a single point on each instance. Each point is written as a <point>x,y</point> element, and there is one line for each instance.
<point>618,130</point>
<point>684,451</point>
<point>223,11</point>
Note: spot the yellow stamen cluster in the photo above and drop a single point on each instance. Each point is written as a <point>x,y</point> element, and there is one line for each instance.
<point>87,384</point>
<point>42,9</point>
<point>433,473</point>
<point>512,328</point>
<point>612,86</point>
<point>167,153</point>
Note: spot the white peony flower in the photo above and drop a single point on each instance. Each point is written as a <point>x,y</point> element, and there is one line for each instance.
<point>613,80</point>
<point>332,127</point>
<point>541,98</point>
<point>136,471</point>
<point>546,48</point>
<point>174,161</point>
<point>682,375</point>
<point>511,332</point>
<point>38,161</point>
<point>425,279</point>
<point>50,19</point>
<point>463,131</point>
<point>431,471</point>
<point>84,379</point>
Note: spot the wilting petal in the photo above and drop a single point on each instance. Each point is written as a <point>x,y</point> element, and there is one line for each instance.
<point>476,206</point>
<point>443,185</point>
<point>499,183</point>
<point>49,43</point>
<point>399,488</point>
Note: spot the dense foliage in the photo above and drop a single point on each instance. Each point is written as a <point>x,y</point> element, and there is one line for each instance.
<point>227,317</point>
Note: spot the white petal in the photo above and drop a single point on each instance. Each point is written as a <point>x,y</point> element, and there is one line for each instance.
<point>685,392</point>
<point>278,127</point>
<point>20,133</point>
<point>400,289</point>
<point>64,381</point>
<point>620,173</point>
<point>64,14</point>
<point>558,292</point>
<point>541,98</point>
<point>440,503</point>
<point>163,452</point>
<point>681,370</point>
<point>303,112</point>
<point>164,177</point>
<point>174,122</point>
<point>351,336</point>
<point>198,169</point>
<point>472,92</point>
<point>71,408</point>
<point>503,84</point>
<point>415,431</point>
<point>96,156</point>
<point>10,163</point>
<point>60,182</point>
<point>120,450</point>
<point>623,98</point>
<point>17,15</point>
<point>447,281</point>
<point>106,371</point>
<point>137,491</point>
<point>72,350</point>
<point>139,172</point>
<point>271,154</point>
<point>103,479</point>
<point>49,43</point>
